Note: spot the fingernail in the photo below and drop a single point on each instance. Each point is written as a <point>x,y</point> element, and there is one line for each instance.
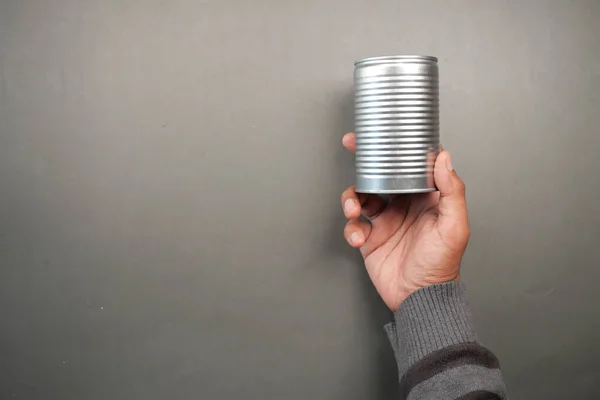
<point>449,166</point>
<point>348,205</point>
<point>355,238</point>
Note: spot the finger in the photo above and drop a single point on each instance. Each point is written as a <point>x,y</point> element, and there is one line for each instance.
<point>357,232</point>
<point>372,205</point>
<point>349,141</point>
<point>351,203</point>
<point>452,206</point>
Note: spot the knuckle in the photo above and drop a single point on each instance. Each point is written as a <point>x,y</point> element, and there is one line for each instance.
<point>348,193</point>
<point>463,233</point>
<point>348,229</point>
<point>460,187</point>
<point>467,234</point>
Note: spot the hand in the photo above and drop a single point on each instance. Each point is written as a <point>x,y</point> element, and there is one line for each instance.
<point>412,240</point>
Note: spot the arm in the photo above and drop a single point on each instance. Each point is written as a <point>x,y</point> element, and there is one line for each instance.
<point>437,350</point>
<point>412,246</point>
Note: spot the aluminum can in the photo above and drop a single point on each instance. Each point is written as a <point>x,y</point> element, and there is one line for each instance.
<point>396,104</point>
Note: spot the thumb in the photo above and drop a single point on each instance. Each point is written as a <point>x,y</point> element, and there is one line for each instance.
<point>452,206</point>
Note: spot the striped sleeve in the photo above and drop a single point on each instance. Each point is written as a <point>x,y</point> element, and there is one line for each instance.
<point>437,350</point>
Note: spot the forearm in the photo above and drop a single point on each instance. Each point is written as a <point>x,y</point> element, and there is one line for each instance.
<point>437,350</point>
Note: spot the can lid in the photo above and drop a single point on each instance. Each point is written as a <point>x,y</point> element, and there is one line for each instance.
<point>392,59</point>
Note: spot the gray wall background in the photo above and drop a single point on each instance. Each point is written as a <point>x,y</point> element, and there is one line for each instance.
<point>170,174</point>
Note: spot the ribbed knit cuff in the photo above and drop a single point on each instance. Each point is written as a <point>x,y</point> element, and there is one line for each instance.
<point>428,320</point>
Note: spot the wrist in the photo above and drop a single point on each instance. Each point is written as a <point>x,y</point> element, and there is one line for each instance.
<point>426,282</point>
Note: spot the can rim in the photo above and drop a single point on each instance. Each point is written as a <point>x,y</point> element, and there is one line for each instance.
<point>396,58</point>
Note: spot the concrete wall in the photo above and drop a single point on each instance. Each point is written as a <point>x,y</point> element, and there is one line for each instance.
<point>170,175</point>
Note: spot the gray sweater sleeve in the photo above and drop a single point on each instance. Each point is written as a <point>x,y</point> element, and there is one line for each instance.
<point>437,350</point>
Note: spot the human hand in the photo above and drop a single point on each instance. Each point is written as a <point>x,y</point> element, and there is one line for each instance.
<point>412,240</point>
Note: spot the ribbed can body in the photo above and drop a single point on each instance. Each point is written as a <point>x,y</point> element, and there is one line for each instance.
<point>396,102</point>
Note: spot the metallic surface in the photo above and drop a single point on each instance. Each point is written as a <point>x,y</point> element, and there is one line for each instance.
<point>396,102</point>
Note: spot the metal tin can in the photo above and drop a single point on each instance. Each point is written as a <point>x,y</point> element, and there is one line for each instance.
<point>396,102</point>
